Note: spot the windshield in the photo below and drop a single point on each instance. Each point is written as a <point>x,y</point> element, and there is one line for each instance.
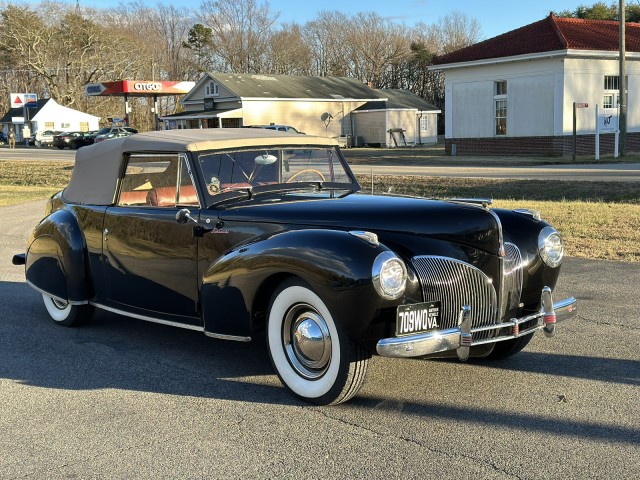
<point>290,167</point>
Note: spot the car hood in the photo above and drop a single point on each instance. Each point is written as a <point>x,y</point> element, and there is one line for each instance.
<point>457,222</point>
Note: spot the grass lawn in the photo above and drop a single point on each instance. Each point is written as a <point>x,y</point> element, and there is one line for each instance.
<point>598,220</point>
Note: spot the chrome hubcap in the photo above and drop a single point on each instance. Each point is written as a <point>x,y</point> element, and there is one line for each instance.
<point>307,341</point>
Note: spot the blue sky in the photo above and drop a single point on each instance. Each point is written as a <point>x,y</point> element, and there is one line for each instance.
<point>495,16</point>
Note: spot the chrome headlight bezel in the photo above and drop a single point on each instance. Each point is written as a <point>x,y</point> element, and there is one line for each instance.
<point>550,246</point>
<point>389,275</point>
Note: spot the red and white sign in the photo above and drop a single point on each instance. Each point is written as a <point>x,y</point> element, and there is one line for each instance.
<point>17,100</point>
<point>138,88</point>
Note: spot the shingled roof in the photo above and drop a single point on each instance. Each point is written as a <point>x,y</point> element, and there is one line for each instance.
<point>290,86</point>
<point>549,35</point>
<point>398,99</point>
<point>19,112</point>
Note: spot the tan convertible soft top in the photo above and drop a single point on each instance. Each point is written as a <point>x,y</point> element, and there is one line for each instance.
<point>97,167</point>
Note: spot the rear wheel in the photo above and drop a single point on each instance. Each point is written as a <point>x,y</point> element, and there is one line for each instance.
<point>65,314</point>
<point>313,356</point>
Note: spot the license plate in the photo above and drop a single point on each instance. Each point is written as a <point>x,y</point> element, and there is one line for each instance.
<point>417,318</point>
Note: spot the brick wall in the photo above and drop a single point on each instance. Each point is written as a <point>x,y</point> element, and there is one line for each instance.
<point>537,146</point>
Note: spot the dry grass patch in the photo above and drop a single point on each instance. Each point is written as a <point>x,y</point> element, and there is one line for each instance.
<point>34,173</point>
<point>609,231</point>
<point>13,194</point>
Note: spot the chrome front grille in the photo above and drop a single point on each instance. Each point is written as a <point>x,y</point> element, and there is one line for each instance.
<point>455,283</point>
<point>512,283</point>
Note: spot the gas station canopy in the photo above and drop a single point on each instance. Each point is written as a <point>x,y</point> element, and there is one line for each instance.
<point>138,88</point>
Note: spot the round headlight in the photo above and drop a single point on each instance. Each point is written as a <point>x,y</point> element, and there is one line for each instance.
<point>389,275</point>
<point>550,246</point>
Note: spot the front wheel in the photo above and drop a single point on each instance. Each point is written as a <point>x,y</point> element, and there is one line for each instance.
<point>65,314</point>
<point>312,355</point>
<point>508,348</point>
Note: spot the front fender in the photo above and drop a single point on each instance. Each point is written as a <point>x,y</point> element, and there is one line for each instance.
<point>335,264</point>
<point>522,230</point>
<point>56,261</point>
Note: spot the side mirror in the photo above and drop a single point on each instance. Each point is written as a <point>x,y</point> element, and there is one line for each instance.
<point>184,215</point>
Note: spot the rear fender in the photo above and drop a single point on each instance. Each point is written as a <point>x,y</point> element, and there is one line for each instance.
<point>56,261</point>
<point>335,264</point>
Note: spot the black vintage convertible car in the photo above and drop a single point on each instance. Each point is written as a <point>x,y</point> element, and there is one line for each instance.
<point>237,232</point>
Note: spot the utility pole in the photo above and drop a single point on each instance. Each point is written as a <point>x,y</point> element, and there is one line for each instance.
<point>622,96</point>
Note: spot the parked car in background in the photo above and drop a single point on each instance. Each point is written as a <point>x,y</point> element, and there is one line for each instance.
<point>279,128</point>
<point>87,138</point>
<point>107,133</point>
<point>64,139</point>
<point>238,233</point>
<point>44,138</point>
<point>3,138</point>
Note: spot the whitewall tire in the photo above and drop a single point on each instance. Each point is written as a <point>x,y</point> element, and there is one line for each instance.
<point>66,314</point>
<point>313,356</point>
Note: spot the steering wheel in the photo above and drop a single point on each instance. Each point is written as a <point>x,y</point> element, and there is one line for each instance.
<point>306,170</point>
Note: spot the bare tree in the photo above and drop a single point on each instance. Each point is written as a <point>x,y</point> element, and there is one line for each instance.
<point>288,53</point>
<point>377,48</point>
<point>326,38</point>
<point>456,31</point>
<point>241,30</point>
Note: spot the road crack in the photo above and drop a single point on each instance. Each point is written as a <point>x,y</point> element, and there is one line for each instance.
<point>415,442</point>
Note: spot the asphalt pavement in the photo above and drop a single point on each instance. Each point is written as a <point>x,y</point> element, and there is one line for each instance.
<point>122,398</point>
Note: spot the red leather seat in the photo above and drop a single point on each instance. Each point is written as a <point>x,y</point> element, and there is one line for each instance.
<point>166,196</point>
<point>137,197</point>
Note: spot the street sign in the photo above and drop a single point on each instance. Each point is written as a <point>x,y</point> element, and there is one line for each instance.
<point>17,100</point>
<point>31,100</point>
<point>607,120</point>
<point>20,100</point>
<point>582,105</point>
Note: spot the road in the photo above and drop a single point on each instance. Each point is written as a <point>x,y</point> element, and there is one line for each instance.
<point>121,398</point>
<point>612,172</point>
<point>617,172</point>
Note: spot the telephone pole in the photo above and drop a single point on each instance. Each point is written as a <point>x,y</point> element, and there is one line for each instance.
<point>622,96</point>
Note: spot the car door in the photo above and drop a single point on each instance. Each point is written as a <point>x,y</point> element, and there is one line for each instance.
<point>150,260</point>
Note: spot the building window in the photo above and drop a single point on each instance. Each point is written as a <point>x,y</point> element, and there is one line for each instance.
<point>611,97</point>
<point>65,125</point>
<point>608,101</point>
<point>84,126</point>
<point>611,82</point>
<point>501,117</point>
<point>500,104</point>
<point>49,125</point>
<point>424,123</point>
<point>212,89</point>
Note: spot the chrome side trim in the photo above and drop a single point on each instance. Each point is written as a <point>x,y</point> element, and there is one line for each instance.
<point>454,338</point>
<point>55,297</point>
<point>220,336</point>
<point>147,318</point>
<point>475,201</point>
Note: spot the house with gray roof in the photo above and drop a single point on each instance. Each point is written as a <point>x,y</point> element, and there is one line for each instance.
<point>47,115</point>
<point>339,107</point>
<point>514,94</point>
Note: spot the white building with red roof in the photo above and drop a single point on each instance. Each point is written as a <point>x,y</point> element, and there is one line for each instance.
<point>514,94</point>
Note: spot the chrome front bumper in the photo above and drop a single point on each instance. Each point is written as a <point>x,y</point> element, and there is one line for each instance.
<point>461,337</point>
